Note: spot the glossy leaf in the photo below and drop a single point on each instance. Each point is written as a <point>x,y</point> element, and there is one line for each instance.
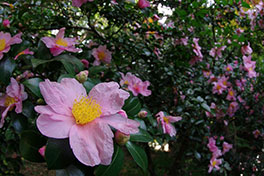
<point>7,67</point>
<point>141,136</point>
<point>33,85</point>
<point>70,171</point>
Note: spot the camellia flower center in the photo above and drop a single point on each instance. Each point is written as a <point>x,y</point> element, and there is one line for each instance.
<point>61,42</point>
<point>166,119</point>
<point>101,55</point>
<point>2,44</point>
<point>214,163</point>
<point>85,110</point>
<point>9,101</point>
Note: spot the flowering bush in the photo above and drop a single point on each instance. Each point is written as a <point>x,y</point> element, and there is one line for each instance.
<point>82,81</point>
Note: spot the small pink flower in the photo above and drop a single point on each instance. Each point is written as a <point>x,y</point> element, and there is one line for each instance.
<point>211,145</point>
<point>101,54</point>
<point>226,147</point>
<point>233,107</point>
<point>231,95</point>
<point>84,119</point>
<point>26,51</point>
<point>59,44</point>
<point>207,73</point>
<point>79,3</point>
<point>6,23</point>
<point>85,63</point>
<point>6,40</point>
<point>166,121</point>
<point>217,52</point>
<point>256,133</point>
<point>135,85</point>
<point>42,151</point>
<point>229,68</point>
<point>214,163</point>
<point>14,96</point>
<point>197,48</point>
<point>246,49</point>
<point>143,4</point>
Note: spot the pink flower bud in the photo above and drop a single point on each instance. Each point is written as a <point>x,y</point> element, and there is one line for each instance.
<point>42,151</point>
<point>121,138</point>
<point>6,23</point>
<point>82,76</point>
<point>142,114</point>
<point>85,63</point>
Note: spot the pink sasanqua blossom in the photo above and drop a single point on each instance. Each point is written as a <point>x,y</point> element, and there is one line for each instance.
<point>101,54</point>
<point>220,85</point>
<point>166,121</point>
<point>14,96</point>
<point>214,163</point>
<point>79,3</point>
<point>246,49</point>
<point>6,40</point>
<point>231,95</point>
<point>26,51</point>
<point>58,44</point>
<point>249,66</point>
<point>135,85</point>
<point>217,52</point>
<point>233,107</point>
<point>84,119</point>
<point>226,147</point>
<point>197,48</point>
<point>143,4</point>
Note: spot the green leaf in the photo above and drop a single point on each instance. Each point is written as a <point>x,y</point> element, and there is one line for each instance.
<point>206,107</point>
<point>138,154</point>
<point>33,85</point>
<point>30,143</point>
<point>7,67</point>
<point>70,171</point>
<point>70,63</point>
<point>43,53</point>
<point>197,155</point>
<point>58,153</point>
<point>89,84</point>
<point>37,62</point>
<point>244,4</point>
<point>116,165</point>
<point>19,122</point>
<point>96,69</point>
<point>28,109</point>
<point>141,136</point>
<point>132,106</point>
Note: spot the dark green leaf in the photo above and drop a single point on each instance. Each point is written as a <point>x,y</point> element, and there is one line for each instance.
<point>70,171</point>
<point>141,136</point>
<point>7,67</point>
<point>138,154</point>
<point>33,85</point>
<point>206,107</point>
<point>132,106</point>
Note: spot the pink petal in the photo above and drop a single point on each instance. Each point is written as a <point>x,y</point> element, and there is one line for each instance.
<point>109,96</point>
<point>60,33</point>
<point>49,41</point>
<point>4,115</point>
<point>56,51</point>
<point>173,119</point>
<point>92,143</point>
<point>122,124</point>
<point>170,129</point>
<point>15,40</point>
<point>55,125</point>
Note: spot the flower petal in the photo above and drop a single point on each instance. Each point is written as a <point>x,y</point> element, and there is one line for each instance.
<point>122,124</point>
<point>173,119</point>
<point>92,143</point>
<point>109,96</point>
<point>55,125</point>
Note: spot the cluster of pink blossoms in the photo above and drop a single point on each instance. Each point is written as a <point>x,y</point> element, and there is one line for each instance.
<point>135,85</point>
<point>166,123</point>
<point>216,52</point>
<point>14,96</point>
<point>84,119</point>
<point>59,44</point>
<point>216,153</point>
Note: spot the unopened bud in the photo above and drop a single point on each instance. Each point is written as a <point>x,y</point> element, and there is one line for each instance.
<point>42,151</point>
<point>6,23</point>
<point>40,101</point>
<point>121,138</point>
<point>142,114</point>
<point>82,76</point>
<point>85,63</point>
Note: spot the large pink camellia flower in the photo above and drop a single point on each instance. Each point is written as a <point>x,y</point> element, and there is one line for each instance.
<point>59,44</point>
<point>101,54</point>
<point>166,121</point>
<point>135,85</point>
<point>79,3</point>
<point>6,40</point>
<point>14,96</point>
<point>84,119</point>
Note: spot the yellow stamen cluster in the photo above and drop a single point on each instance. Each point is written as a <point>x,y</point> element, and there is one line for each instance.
<point>9,101</point>
<point>101,55</point>
<point>85,110</point>
<point>2,44</point>
<point>214,163</point>
<point>61,42</point>
<point>166,119</point>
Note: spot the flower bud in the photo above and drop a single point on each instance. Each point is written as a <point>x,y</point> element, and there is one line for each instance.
<point>121,138</point>
<point>85,63</point>
<point>40,101</point>
<point>6,23</point>
<point>42,151</point>
<point>82,76</point>
<point>142,114</point>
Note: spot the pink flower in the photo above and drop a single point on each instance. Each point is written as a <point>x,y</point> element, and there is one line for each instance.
<point>229,68</point>
<point>233,107</point>
<point>220,85</point>
<point>231,95</point>
<point>6,40</point>
<point>166,121</point>
<point>135,85</point>
<point>214,163</point>
<point>207,73</point>
<point>256,133</point>
<point>249,66</point>
<point>143,4</point>
<point>85,63</point>
<point>211,145</point>
<point>84,119</point>
<point>101,54</point>
<point>217,52</point>
<point>59,44</point>
<point>26,51</point>
<point>226,147</point>
<point>79,3</point>
<point>14,96</point>
<point>197,48</point>
<point>246,49</point>
<point>6,23</point>
<point>42,151</point>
